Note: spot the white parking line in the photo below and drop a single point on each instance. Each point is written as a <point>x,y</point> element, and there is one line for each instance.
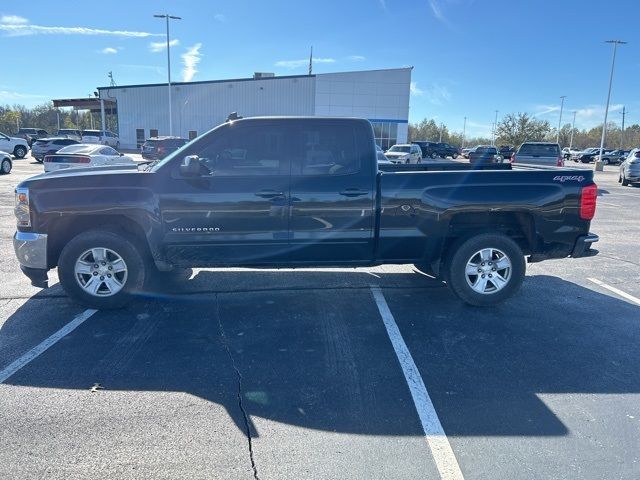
<point>434,433</point>
<point>44,345</point>
<point>615,290</point>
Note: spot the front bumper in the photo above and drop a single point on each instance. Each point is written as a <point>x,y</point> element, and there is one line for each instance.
<point>31,250</point>
<point>583,246</point>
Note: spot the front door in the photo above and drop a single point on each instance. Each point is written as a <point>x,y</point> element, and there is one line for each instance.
<point>332,193</point>
<point>236,212</point>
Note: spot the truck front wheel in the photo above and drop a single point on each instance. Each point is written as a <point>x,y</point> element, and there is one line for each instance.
<point>486,269</point>
<point>101,269</point>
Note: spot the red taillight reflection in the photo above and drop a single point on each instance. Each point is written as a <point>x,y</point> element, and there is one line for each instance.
<point>560,162</point>
<point>513,158</point>
<point>588,202</point>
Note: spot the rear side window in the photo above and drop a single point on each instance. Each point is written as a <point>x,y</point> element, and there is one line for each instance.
<point>487,150</point>
<point>541,150</point>
<point>328,150</point>
<point>108,151</point>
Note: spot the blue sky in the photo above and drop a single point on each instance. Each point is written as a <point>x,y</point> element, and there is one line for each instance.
<point>470,57</point>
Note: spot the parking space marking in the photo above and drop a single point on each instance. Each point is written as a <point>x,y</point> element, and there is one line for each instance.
<point>36,351</point>
<point>615,290</point>
<point>441,450</point>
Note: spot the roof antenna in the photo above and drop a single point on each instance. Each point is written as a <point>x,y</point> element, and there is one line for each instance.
<point>233,116</point>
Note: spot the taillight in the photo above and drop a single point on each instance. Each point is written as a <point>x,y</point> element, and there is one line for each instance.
<point>560,162</point>
<point>588,202</point>
<point>513,157</point>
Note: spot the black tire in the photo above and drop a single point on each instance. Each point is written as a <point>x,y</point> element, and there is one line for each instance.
<point>624,181</point>
<point>5,167</point>
<point>124,247</point>
<point>464,251</point>
<point>454,156</point>
<point>434,155</point>
<point>20,151</point>
<point>40,160</point>
<point>605,161</point>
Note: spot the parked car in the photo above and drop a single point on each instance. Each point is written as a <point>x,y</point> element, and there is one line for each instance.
<point>465,152</point>
<point>109,228</point>
<point>70,133</point>
<point>505,151</point>
<point>382,159</point>
<point>614,158</point>
<point>404,153</point>
<point>437,149</point>
<point>104,137</point>
<point>156,148</point>
<point>31,134</point>
<point>539,153</point>
<point>17,146</point>
<point>5,163</point>
<point>85,155</point>
<point>630,168</point>
<point>568,153</point>
<point>484,154</point>
<point>47,146</point>
<point>587,155</point>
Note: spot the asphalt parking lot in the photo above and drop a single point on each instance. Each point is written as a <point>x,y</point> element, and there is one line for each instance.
<point>329,373</point>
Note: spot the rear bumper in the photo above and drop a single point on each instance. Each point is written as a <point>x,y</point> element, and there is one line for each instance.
<point>583,246</point>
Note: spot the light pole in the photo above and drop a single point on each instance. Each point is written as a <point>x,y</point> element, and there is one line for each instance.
<point>464,130</point>
<point>573,128</point>
<point>495,126</point>
<point>166,16</point>
<point>606,109</point>
<point>441,129</point>
<point>560,120</point>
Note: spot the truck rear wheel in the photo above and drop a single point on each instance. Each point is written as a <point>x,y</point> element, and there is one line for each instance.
<point>101,269</point>
<point>485,269</point>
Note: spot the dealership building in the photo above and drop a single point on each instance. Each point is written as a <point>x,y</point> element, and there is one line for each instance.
<point>382,96</point>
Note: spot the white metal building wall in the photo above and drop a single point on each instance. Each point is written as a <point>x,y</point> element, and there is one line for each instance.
<point>381,95</point>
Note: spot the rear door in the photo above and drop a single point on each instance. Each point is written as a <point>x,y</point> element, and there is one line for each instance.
<point>236,211</point>
<point>332,192</point>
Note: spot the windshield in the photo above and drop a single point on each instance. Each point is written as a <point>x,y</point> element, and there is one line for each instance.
<point>193,147</point>
<point>400,148</point>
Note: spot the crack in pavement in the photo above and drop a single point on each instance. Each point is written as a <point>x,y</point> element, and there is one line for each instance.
<point>245,416</point>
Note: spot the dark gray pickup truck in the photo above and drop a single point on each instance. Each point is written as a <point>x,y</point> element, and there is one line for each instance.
<point>287,192</point>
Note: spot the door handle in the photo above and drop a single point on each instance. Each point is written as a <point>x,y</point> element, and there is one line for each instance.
<point>269,194</point>
<point>353,192</point>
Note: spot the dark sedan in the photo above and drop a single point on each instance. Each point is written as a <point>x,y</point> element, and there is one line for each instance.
<point>484,154</point>
<point>156,148</point>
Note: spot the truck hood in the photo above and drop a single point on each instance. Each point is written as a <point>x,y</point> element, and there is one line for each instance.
<point>85,172</point>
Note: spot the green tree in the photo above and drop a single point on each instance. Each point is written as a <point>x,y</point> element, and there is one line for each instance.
<point>516,128</point>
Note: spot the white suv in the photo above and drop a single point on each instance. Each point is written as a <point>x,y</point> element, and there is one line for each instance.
<point>17,146</point>
<point>404,153</point>
<point>105,137</point>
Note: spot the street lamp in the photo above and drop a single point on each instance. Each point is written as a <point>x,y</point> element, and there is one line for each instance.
<point>167,17</point>
<point>606,109</point>
<point>464,130</point>
<point>560,120</point>
<point>495,126</point>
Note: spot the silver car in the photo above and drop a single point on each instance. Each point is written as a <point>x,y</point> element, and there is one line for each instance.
<point>630,168</point>
<point>539,153</point>
<point>47,146</point>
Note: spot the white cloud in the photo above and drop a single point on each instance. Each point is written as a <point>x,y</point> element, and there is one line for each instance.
<point>156,47</point>
<point>356,58</point>
<point>15,30</point>
<point>190,59</point>
<point>293,64</point>
<point>542,110</point>
<point>220,17</point>
<point>437,10</point>
<point>587,117</point>
<point>437,94</point>
<point>13,20</point>
<point>9,96</point>
<point>415,91</point>
<point>109,51</point>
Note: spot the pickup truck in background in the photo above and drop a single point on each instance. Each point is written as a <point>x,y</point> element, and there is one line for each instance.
<point>294,192</point>
<point>437,149</point>
<point>539,153</point>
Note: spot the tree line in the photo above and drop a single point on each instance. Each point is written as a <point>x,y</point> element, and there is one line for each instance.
<point>516,128</point>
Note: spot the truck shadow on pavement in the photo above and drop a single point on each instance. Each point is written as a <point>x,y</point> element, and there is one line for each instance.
<point>308,348</point>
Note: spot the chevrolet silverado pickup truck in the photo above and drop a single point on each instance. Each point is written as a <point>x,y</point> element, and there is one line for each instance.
<point>294,192</point>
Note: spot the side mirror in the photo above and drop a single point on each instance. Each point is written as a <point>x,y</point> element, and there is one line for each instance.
<point>190,166</point>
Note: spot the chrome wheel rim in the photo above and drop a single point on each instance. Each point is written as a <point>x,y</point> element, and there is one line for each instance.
<point>488,271</point>
<point>101,272</point>
<point>6,166</point>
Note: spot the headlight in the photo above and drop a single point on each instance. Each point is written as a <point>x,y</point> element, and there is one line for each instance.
<point>22,207</point>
